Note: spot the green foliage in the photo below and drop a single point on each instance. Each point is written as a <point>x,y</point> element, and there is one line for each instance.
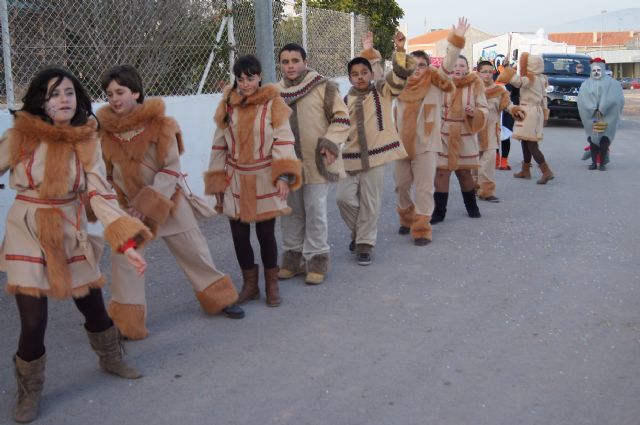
<point>384,17</point>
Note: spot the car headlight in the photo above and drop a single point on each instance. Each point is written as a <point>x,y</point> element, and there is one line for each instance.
<point>550,89</point>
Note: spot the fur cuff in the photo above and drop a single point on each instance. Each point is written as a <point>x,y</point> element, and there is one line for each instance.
<point>478,122</point>
<point>370,54</point>
<point>456,40</point>
<point>506,75</point>
<point>220,294</point>
<point>405,71</point>
<point>129,319</point>
<point>153,204</point>
<point>421,228</point>
<point>407,215</point>
<point>328,145</point>
<point>289,166</point>
<point>124,229</point>
<point>215,182</point>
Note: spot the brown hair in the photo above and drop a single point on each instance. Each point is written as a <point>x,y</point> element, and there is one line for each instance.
<point>125,75</point>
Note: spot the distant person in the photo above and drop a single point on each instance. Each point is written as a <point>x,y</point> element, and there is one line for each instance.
<point>600,104</point>
<point>579,68</point>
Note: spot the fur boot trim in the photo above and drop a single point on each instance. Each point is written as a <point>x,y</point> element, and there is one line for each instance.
<point>218,295</point>
<point>291,264</point>
<point>327,145</point>
<point>506,75</point>
<point>129,319</point>
<point>319,263</point>
<point>215,182</point>
<point>125,228</point>
<point>407,215</point>
<point>51,235</point>
<point>421,228</point>
<point>487,189</point>
<point>291,166</point>
<point>456,40</point>
<point>153,204</point>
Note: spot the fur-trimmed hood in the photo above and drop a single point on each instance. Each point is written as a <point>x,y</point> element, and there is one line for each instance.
<point>494,90</point>
<point>232,98</point>
<point>147,111</point>
<point>467,80</point>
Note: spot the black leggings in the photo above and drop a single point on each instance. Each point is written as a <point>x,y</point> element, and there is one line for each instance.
<point>603,149</point>
<point>33,320</point>
<point>531,149</point>
<point>464,178</point>
<point>265,231</point>
<point>506,147</point>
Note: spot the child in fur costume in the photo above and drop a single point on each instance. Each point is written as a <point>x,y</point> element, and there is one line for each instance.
<point>418,117</point>
<point>373,142</point>
<point>252,169</point>
<point>464,115</point>
<point>54,157</point>
<point>142,148</point>
<point>311,97</point>
<point>533,102</point>
<point>498,100</point>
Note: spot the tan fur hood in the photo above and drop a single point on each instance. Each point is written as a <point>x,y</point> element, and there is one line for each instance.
<point>149,110</point>
<point>260,97</point>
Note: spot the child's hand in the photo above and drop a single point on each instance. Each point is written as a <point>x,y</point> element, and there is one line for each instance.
<point>367,41</point>
<point>462,27</point>
<point>399,40</point>
<point>331,158</point>
<point>135,259</point>
<point>283,189</point>
<point>469,110</point>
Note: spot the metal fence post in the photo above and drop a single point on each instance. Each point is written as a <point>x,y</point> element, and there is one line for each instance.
<point>231,40</point>
<point>6,54</point>
<point>304,25</point>
<point>214,48</point>
<point>265,45</point>
<point>353,34</point>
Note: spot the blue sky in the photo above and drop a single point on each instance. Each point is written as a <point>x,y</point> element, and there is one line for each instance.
<point>500,16</point>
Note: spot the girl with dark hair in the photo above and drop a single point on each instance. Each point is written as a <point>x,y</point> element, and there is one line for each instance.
<point>142,148</point>
<point>53,155</point>
<point>252,169</point>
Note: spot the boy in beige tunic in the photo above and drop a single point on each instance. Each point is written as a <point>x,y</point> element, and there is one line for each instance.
<point>533,102</point>
<point>142,148</point>
<point>418,116</point>
<point>320,124</point>
<point>373,142</point>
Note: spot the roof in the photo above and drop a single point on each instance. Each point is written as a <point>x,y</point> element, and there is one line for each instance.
<point>617,38</point>
<point>429,38</point>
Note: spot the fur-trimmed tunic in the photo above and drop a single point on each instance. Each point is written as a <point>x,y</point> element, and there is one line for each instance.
<point>46,250</point>
<point>533,98</point>
<point>498,100</point>
<point>373,140</point>
<point>459,140</point>
<point>252,146</point>
<point>313,98</point>
<point>142,152</point>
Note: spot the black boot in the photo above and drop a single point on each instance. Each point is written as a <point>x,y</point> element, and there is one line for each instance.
<point>604,152</point>
<point>440,210</point>
<point>471,204</point>
<point>593,149</point>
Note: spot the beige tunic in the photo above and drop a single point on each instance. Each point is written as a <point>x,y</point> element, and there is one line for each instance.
<point>459,140</point>
<point>46,250</point>
<point>312,99</point>
<point>497,100</point>
<point>252,146</point>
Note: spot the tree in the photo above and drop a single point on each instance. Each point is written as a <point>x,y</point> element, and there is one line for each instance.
<point>384,17</point>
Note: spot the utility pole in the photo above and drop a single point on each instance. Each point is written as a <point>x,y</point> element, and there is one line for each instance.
<point>265,45</point>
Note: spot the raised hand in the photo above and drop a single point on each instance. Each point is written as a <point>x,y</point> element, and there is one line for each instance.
<point>462,27</point>
<point>399,40</point>
<point>136,260</point>
<point>367,41</point>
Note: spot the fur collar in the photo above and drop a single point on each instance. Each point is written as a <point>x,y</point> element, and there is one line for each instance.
<point>465,81</point>
<point>291,92</point>
<point>353,91</point>
<point>494,91</point>
<point>231,98</point>
<point>416,88</point>
<point>35,127</point>
<point>150,109</point>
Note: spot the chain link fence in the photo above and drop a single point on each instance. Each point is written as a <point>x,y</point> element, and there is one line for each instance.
<point>181,47</point>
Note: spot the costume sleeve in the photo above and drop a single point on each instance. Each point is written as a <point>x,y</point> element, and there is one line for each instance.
<point>396,79</point>
<point>154,201</point>
<point>510,76</point>
<point>119,227</point>
<point>215,178</point>
<point>454,46</point>
<point>339,122</point>
<point>285,161</point>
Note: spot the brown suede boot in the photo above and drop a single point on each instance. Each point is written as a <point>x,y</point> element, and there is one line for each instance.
<point>108,346</point>
<point>30,379</point>
<point>271,287</point>
<point>250,289</point>
<point>525,171</point>
<point>546,174</point>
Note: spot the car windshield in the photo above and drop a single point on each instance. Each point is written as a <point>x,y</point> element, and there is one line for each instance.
<point>566,66</point>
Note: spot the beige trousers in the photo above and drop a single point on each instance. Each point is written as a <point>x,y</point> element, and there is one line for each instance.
<point>306,229</point>
<point>487,174</point>
<point>421,170</point>
<point>359,199</point>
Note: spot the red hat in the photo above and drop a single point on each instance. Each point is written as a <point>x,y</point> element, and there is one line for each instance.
<point>597,60</point>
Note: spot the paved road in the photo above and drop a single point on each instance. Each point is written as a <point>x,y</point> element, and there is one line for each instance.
<point>529,315</point>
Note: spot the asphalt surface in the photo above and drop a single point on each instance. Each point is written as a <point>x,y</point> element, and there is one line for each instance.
<point>528,315</point>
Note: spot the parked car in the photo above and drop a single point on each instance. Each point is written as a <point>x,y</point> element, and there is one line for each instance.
<point>626,83</point>
<point>565,73</point>
<point>635,84</point>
